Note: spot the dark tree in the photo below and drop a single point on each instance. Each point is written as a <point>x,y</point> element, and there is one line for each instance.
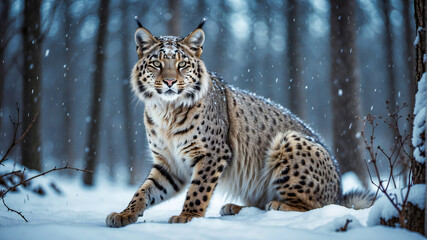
<point>419,173</point>
<point>174,23</point>
<point>32,78</point>
<point>126,37</point>
<point>4,24</point>
<point>409,50</point>
<point>98,82</point>
<point>345,92</point>
<point>112,156</point>
<point>200,10</point>
<point>68,86</point>
<point>388,43</point>
<point>221,42</point>
<point>293,58</point>
<point>408,59</point>
<point>268,69</point>
<point>420,48</point>
<point>252,50</point>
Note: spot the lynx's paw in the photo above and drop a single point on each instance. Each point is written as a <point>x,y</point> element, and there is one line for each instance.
<point>230,209</point>
<point>183,218</point>
<point>280,206</point>
<point>120,219</point>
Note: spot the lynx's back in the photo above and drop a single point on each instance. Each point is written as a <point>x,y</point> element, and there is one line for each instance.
<point>256,128</point>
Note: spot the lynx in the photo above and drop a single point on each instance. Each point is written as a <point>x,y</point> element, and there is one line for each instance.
<point>204,133</point>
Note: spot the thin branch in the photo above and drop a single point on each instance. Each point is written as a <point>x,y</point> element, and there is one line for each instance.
<point>28,129</point>
<point>42,174</point>
<point>4,192</point>
<point>397,152</point>
<point>13,210</point>
<point>370,175</point>
<point>409,187</point>
<point>21,174</point>
<point>7,174</point>
<point>14,142</point>
<point>391,176</point>
<point>369,147</point>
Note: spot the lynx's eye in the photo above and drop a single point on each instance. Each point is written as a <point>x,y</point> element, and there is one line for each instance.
<point>157,64</point>
<point>182,64</point>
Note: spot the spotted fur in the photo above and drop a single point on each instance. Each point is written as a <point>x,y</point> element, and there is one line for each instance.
<point>208,135</point>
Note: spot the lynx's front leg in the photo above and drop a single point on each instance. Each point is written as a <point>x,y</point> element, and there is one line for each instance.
<point>206,173</point>
<point>160,185</point>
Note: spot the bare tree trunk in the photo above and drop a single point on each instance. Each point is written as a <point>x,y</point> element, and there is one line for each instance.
<point>111,156</point>
<point>68,144</point>
<point>419,173</point>
<point>220,43</point>
<point>345,88</point>
<point>267,66</point>
<point>201,12</point>
<point>390,76</point>
<point>128,121</point>
<point>409,51</point>
<point>408,58</point>
<point>420,48</point>
<point>293,58</point>
<point>4,20</point>
<point>98,82</point>
<point>175,21</point>
<point>388,43</point>
<point>252,51</point>
<point>31,145</point>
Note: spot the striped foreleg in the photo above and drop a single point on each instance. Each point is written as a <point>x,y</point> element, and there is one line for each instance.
<point>160,185</point>
<point>206,173</point>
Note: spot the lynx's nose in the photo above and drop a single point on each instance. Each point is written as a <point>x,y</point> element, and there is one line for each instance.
<point>169,81</point>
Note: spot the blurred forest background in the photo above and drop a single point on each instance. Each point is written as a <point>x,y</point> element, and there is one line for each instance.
<point>63,58</point>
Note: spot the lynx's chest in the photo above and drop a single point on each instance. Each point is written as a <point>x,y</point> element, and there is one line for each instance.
<point>174,135</point>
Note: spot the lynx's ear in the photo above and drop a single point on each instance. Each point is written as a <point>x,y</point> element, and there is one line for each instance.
<point>196,39</point>
<point>143,39</point>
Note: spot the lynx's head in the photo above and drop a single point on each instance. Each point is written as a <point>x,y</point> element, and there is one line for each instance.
<point>169,68</point>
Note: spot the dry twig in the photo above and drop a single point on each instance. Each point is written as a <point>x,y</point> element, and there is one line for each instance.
<point>13,210</point>
<point>16,126</point>
<point>10,173</point>
<point>344,229</point>
<point>4,192</point>
<point>398,152</point>
<point>20,173</point>
<point>23,182</point>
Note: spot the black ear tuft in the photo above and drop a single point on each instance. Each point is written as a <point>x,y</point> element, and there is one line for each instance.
<point>138,22</point>
<point>202,23</point>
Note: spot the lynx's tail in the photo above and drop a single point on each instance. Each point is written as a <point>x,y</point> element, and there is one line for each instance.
<point>358,199</point>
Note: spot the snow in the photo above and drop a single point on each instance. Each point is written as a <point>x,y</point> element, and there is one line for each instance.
<point>417,38</point>
<point>350,181</point>
<point>383,207</point>
<point>420,119</point>
<point>79,212</point>
<point>48,185</point>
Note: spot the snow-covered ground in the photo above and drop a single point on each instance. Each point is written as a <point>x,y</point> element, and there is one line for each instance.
<point>79,213</point>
